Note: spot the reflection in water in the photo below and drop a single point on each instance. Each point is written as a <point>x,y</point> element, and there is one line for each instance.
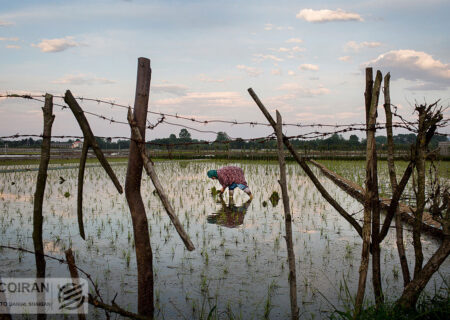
<point>229,216</point>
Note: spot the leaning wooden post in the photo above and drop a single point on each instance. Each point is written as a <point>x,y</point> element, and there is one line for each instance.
<point>89,141</point>
<point>38,218</point>
<point>144,258</point>
<point>301,161</point>
<point>287,221</point>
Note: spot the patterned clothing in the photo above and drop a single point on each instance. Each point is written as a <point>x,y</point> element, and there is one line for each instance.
<point>229,175</point>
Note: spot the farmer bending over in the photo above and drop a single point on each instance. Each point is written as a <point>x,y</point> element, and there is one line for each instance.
<point>230,177</point>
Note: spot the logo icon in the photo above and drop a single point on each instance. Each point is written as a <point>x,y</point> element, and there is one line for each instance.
<point>71,296</point>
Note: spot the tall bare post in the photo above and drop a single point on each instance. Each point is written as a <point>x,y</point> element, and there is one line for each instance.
<point>38,218</point>
<point>370,191</point>
<point>375,200</point>
<point>393,178</point>
<point>144,258</point>
<point>287,220</point>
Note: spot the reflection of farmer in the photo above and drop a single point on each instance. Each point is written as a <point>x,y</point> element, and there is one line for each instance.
<point>229,215</point>
<point>230,177</point>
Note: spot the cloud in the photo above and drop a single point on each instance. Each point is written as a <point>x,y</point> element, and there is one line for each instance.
<point>253,72</point>
<point>12,46</point>
<point>261,57</point>
<point>310,116</point>
<point>9,39</point>
<point>290,51</point>
<point>345,58</point>
<point>297,89</point>
<point>414,66</point>
<point>294,40</point>
<point>325,15</point>
<point>5,23</point>
<point>355,46</point>
<point>205,99</point>
<point>307,66</point>
<point>174,89</point>
<point>269,27</point>
<point>82,79</point>
<point>56,45</point>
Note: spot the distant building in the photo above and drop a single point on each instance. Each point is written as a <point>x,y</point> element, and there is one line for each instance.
<point>444,148</point>
<point>77,144</point>
<point>60,145</point>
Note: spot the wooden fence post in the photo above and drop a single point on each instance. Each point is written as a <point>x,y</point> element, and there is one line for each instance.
<point>144,258</point>
<point>38,219</point>
<point>287,220</point>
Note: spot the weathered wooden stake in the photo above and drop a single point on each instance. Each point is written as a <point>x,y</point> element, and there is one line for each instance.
<point>369,192</point>
<point>75,279</point>
<point>133,193</point>
<point>38,218</point>
<point>287,220</point>
<point>89,141</point>
<point>393,178</point>
<point>151,172</point>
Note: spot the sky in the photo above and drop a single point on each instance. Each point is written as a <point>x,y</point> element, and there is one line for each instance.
<point>303,58</point>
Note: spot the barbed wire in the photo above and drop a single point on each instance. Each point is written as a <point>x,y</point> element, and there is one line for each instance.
<point>209,121</point>
<point>404,124</point>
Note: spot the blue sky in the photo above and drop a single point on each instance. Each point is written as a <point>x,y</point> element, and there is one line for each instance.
<point>304,58</point>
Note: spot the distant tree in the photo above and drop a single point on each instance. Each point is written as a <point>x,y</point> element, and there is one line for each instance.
<point>172,138</point>
<point>222,136</point>
<point>184,134</point>
<point>354,140</point>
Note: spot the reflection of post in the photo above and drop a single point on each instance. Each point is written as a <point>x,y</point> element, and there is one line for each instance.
<point>39,198</point>
<point>144,258</point>
<point>287,220</point>
<point>74,275</point>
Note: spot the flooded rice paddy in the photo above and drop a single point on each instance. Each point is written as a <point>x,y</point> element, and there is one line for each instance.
<point>240,262</point>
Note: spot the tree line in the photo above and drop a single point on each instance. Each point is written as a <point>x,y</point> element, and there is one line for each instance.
<point>334,142</point>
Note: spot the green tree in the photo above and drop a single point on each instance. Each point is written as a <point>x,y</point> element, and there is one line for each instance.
<point>222,136</point>
<point>184,134</point>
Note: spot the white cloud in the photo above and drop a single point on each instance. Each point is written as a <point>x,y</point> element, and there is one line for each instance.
<point>12,46</point>
<point>310,116</point>
<point>205,99</point>
<point>325,15</point>
<point>270,26</point>
<point>345,58</point>
<point>9,39</point>
<point>296,88</point>
<point>82,79</point>
<point>355,46</point>
<point>253,72</point>
<point>415,66</point>
<point>307,66</point>
<point>259,57</point>
<point>174,89</point>
<point>294,40</point>
<point>56,45</point>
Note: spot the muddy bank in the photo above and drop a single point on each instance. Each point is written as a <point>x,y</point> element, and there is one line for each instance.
<point>429,225</point>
